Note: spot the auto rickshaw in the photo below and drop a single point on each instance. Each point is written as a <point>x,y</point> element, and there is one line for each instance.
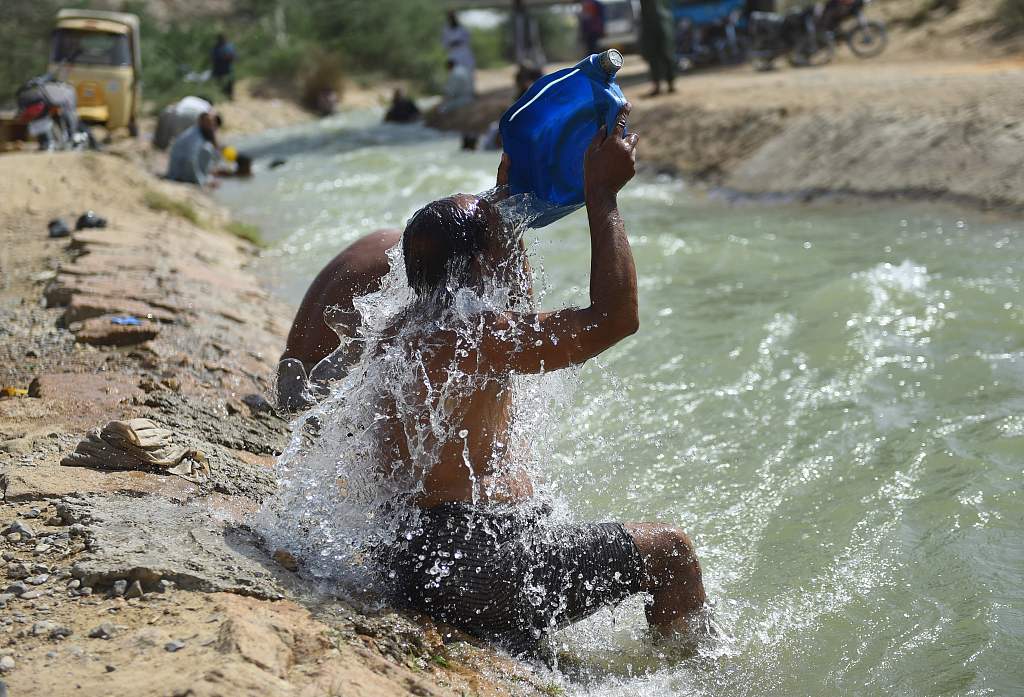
<point>98,53</point>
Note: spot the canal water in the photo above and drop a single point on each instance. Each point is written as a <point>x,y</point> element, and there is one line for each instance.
<point>828,398</point>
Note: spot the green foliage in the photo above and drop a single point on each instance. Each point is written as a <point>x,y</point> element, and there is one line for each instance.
<point>1011,14</point>
<point>559,34</point>
<point>245,231</point>
<point>158,201</point>
<point>488,47</point>
<point>25,36</point>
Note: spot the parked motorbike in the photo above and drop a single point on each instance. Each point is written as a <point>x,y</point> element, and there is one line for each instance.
<point>48,108</point>
<point>795,35</point>
<point>719,43</point>
<point>846,20</point>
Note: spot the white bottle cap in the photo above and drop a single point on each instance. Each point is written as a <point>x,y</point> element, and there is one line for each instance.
<point>610,61</point>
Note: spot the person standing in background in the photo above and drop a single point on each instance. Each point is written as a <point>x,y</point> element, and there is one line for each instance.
<point>526,45</point>
<point>657,41</point>
<point>591,24</point>
<point>456,41</point>
<point>222,58</point>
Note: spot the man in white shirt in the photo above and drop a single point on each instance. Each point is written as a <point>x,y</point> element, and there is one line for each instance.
<point>458,91</point>
<point>456,41</point>
<point>178,117</point>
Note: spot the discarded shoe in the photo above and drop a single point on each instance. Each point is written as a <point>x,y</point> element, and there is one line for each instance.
<point>138,444</point>
<point>89,219</point>
<point>57,228</point>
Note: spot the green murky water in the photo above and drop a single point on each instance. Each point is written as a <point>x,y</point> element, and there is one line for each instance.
<point>830,399</point>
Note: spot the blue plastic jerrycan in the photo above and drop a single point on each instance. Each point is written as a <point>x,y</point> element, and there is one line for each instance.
<point>548,130</point>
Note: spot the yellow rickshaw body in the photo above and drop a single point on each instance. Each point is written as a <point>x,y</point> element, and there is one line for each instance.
<point>98,52</point>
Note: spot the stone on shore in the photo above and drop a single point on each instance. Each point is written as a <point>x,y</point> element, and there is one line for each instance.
<point>103,331</point>
<point>152,539</point>
<point>83,306</point>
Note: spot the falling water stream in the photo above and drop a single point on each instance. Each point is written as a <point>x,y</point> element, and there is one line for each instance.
<point>829,398</point>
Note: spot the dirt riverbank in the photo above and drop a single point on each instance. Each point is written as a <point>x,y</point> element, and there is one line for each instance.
<point>947,127</point>
<point>146,583</point>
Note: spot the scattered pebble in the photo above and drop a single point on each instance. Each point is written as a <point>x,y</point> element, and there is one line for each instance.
<point>32,513</point>
<point>175,645</point>
<point>32,595</point>
<point>18,588</point>
<point>43,627</point>
<point>17,571</point>
<point>6,664</point>
<point>21,529</point>
<point>103,631</point>
<point>109,668</point>
<point>134,590</point>
<point>85,590</point>
<point>8,556</point>
<point>74,583</point>
<point>37,580</point>
<point>120,586</point>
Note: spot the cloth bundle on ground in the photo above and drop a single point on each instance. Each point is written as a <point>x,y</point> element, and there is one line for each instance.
<point>138,444</point>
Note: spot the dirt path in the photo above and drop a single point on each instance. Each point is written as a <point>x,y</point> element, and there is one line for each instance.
<point>949,129</point>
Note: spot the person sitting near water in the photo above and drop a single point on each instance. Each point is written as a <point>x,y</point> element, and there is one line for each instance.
<point>178,117</point>
<point>356,270</point>
<point>483,557</point>
<point>402,110</point>
<point>194,153</point>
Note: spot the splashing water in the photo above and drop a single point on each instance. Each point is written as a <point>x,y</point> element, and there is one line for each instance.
<point>828,399</point>
<point>359,462</point>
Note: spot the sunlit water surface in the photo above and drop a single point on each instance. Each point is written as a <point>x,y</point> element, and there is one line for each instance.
<point>830,399</point>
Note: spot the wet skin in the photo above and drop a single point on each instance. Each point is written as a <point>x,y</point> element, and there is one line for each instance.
<point>476,467</point>
<point>473,467</point>
<point>357,270</point>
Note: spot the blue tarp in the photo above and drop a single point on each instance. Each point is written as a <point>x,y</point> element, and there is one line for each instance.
<point>706,12</point>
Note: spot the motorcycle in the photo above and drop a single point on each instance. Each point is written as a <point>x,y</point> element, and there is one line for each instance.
<point>795,35</point>
<point>48,108</point>
<point>717,43</point>
<point>846,21</point>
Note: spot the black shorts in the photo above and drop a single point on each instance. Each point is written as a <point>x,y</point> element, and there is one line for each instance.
<point>510,576</point>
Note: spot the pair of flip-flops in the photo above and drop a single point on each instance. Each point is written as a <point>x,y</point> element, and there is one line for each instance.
<point>89,219</point>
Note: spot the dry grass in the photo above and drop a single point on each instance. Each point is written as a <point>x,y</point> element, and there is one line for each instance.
<point>158,201</point>
<point>245,231</point>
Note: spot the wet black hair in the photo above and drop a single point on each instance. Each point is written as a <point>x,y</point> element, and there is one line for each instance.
<point>439,244</point>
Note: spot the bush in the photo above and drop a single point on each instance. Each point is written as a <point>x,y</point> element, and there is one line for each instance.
<point>322,73</point>
<point>245,231</point>
<point>1011,15</point>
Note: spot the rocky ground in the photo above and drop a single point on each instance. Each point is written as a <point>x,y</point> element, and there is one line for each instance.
<point>148,583</point>
<point>937,116</point>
